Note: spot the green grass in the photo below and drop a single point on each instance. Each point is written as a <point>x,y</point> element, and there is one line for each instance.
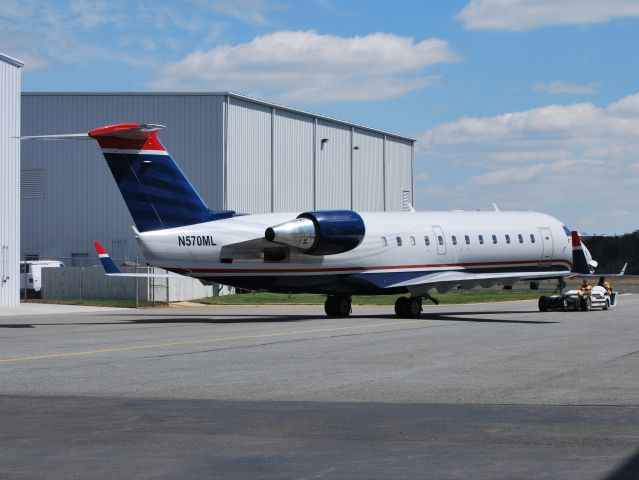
<point>95,302</point>
<point>450,298</point>
<point>453,297</point>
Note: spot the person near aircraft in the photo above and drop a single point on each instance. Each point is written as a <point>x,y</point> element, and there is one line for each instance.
<point>605,284</point>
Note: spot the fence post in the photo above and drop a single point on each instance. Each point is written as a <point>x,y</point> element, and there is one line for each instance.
<point>81,282</point>
<point>137,299</point>
<point>26,274</point>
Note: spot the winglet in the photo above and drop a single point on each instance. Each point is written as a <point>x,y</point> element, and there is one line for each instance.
<point>109,266</point>
<point>579,260</point>
<point>576,241</point>
<point>623,270</point>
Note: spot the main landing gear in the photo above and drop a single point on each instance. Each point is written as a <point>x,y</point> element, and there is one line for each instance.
<point>337,306</point>
<point>408,307</point>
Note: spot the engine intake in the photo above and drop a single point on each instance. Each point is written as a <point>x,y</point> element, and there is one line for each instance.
<point>324,232</point>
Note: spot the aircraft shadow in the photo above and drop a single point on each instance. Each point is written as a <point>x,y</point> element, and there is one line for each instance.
<point>463,316</point>
<point>628,470</point>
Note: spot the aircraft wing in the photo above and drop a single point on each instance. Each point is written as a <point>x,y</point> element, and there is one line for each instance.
<point>452,278</point>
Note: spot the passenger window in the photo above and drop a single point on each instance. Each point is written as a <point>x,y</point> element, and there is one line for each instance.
<point>481,239</point>
<point>521,238</point>
<point>467,239</point>
<point>384,242</point>
<point>399,241</point>
<point>532,238</point>
<point>440,239</point>
<point>427,240</point>
<point>495,239</point>
<point>412,241</point>
<point>454,239</point>
<point>507,238</point>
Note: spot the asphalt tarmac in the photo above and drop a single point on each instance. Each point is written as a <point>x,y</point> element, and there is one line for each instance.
<point>474,391</point>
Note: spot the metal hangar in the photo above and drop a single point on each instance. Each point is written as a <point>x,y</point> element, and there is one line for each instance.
<point>10,78</point>
<point>240,153</point>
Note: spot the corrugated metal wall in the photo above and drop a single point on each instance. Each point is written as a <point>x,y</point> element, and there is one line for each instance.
<point>82,202</point>
<point>399,164</point>
<point>9,183</point>
<point>240,154</point>
<point>293,177</point>
<point>368,171</point>
<point>333,166</point>
<point>248,159</point>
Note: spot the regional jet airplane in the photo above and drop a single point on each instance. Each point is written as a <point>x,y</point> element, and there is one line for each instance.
<point>338,253</point>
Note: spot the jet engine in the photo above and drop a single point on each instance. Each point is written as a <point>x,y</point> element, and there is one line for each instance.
<point>325,232</point>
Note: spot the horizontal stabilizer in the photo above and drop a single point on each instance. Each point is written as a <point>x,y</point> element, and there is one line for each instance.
<point>70,136</point>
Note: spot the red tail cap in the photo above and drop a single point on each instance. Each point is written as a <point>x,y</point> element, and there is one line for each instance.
<point>128,136</point>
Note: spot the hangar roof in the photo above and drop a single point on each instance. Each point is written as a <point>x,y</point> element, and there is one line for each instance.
<point>232,95</point>
<point>11,60</point>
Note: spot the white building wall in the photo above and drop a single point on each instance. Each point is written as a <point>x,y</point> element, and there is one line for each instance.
<point>248,158</point>
<point>398,171</point>
<point>293,160</point>
<point>9,181</point>
<point>368,171</point>
<point>333,166</point>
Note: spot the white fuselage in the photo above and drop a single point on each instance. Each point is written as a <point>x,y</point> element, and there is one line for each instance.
<point>231,251</point>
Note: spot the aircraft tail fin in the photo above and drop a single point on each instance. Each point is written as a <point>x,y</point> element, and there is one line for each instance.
<point>155,190</point>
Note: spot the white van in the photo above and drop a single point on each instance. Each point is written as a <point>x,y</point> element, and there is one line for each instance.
<point>31,273</point>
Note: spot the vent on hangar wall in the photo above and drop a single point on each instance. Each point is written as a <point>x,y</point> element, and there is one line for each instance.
<point>406,203</point>
<point>32,183</point>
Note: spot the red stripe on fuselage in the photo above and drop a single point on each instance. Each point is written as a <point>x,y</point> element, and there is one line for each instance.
<point>361,269</point>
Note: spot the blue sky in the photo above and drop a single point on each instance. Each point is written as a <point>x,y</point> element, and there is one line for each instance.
<point>533,104</point>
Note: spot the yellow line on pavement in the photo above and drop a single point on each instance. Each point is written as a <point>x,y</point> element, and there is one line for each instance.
<point>204,340</point>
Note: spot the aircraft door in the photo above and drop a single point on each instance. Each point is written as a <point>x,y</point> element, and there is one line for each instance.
<point>547,247</point>
<point>440,239</point>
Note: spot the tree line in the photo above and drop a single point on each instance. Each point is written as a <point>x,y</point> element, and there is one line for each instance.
<point>613,252</point>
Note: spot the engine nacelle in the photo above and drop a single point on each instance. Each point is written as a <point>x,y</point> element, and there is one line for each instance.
<point>325,232</point>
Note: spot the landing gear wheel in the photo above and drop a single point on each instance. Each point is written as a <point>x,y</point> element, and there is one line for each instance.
<point>408,307</point>
<point>585,303</point>
<point>607,305</point>
<point>400,307</point>
<point>337,306</point>
<point>414,307</point>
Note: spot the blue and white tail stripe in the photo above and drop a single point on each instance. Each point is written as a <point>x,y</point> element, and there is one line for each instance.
<point>109,265</point>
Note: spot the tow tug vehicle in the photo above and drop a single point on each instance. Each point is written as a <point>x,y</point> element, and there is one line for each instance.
<point>578,300</point>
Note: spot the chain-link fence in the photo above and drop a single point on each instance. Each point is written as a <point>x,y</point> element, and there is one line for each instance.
<point>84,278</point>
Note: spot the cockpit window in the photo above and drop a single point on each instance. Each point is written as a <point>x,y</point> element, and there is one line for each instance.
<point>566,230</point>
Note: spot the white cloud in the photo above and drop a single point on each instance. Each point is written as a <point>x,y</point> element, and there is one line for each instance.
<point>522,15</point>
<point>307,67</point>
<point>49,33</point>
<point>558,86</point>
<point>250,11</point>
<point>568,160</point>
